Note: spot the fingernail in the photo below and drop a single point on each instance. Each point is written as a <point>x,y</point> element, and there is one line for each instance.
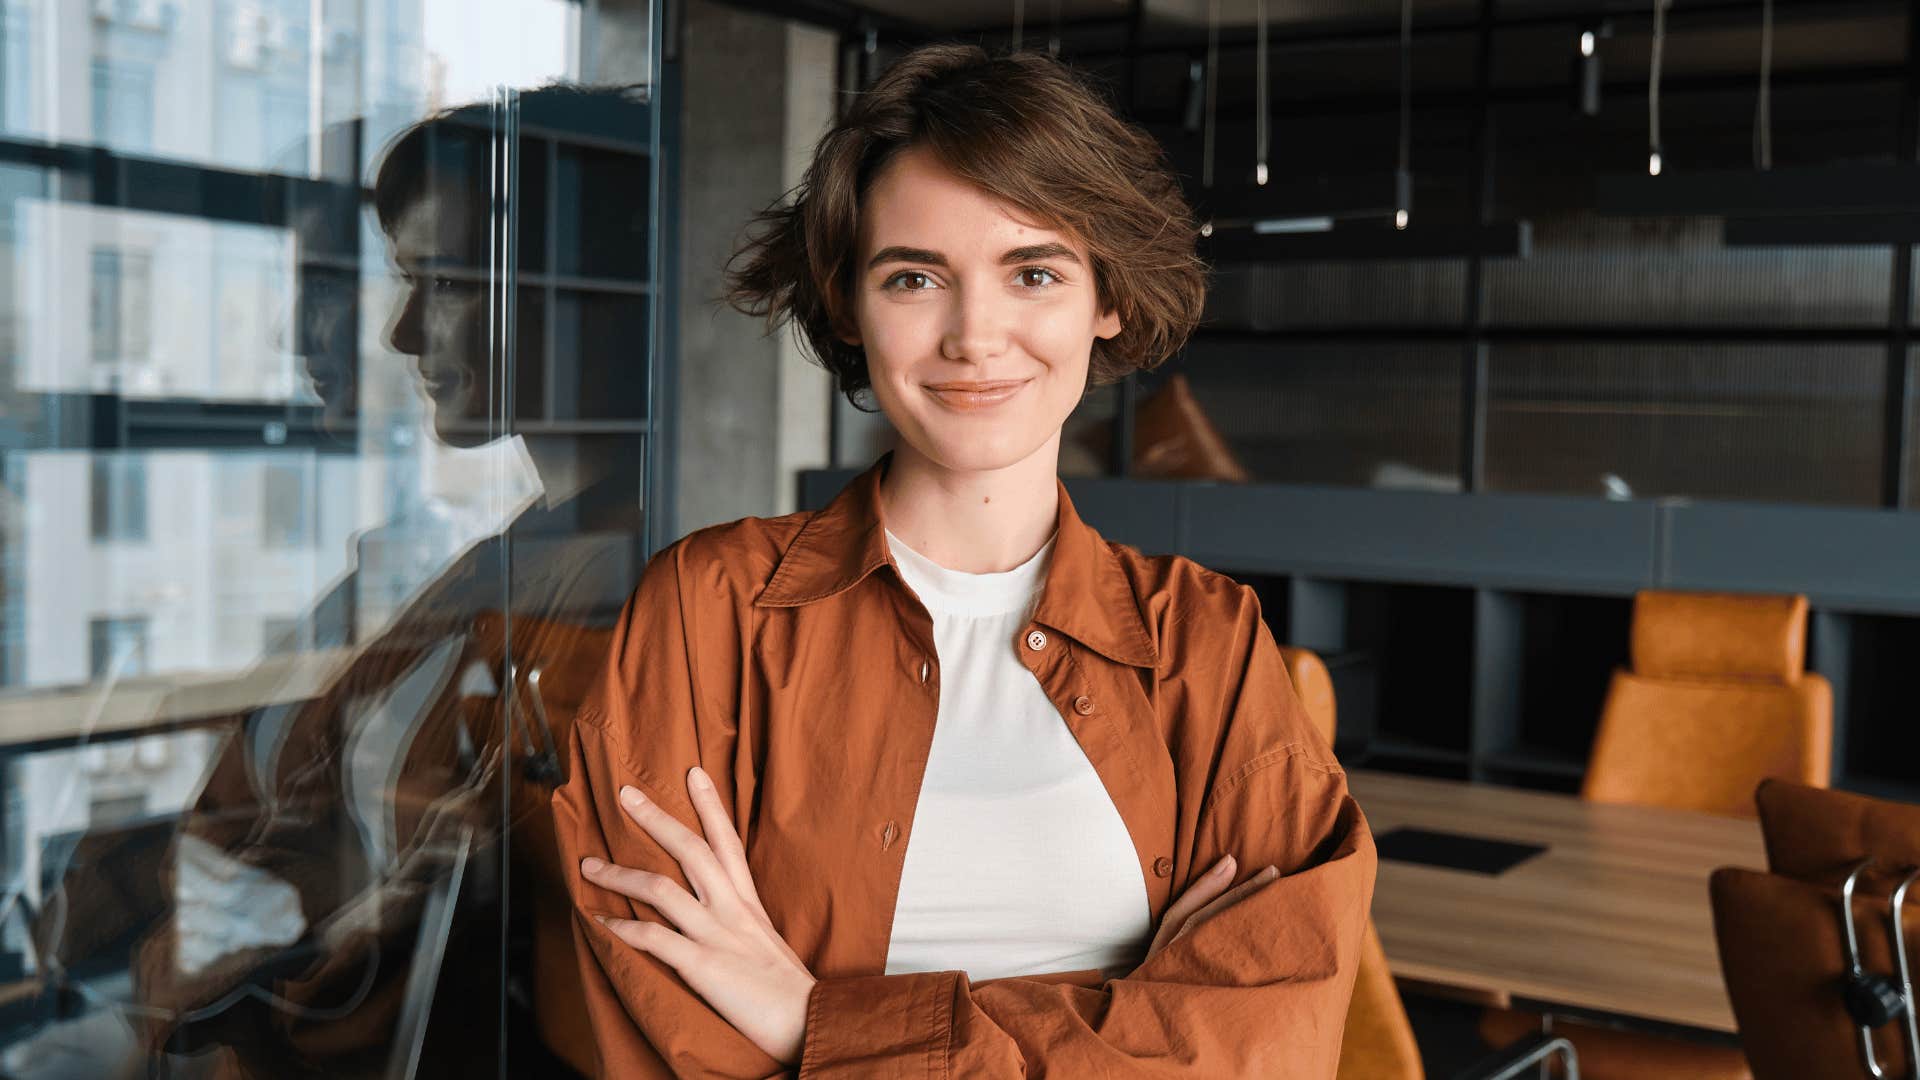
<point>591,865</point>
<point>1269,873</point>
<point>630,795</point>
<point>1224,866</point>
<point>601,919</point>
<point>698,777</point>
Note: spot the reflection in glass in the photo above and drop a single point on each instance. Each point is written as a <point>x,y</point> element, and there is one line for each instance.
<point>1372,415</point>
<point>1774,423</point>
<point>315,507</point>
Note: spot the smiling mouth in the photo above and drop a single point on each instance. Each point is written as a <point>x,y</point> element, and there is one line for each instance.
<point>440,383</point>
<point>967,399</point>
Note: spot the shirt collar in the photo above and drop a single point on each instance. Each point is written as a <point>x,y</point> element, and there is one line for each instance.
<point>1087,594</point>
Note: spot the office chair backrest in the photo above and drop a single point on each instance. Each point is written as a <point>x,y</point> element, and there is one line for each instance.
<point>1782,941</point>
<point>1378,1043</point>
<point>1313,686</point>
<point>1717,700</point>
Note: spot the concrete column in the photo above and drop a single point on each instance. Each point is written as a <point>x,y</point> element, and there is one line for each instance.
<point>756,91</point>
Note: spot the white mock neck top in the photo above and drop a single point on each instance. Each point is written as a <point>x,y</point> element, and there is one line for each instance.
<point>1018,862</point>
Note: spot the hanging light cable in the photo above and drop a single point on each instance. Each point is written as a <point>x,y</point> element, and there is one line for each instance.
<point>1260,134</point>
<point>1019,22</point>
<point>1653,86</point>
<point>1053,39</point>
<point>1403,175</point>
<point>1763,109</point>
<point>1212,101</point>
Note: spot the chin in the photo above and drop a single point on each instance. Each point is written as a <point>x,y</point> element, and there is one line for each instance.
<point>960,453</point>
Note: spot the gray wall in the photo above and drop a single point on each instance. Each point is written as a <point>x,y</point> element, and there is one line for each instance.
<point>757,91</point>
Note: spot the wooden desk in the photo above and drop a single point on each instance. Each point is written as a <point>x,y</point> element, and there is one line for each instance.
<point>1613,917</point>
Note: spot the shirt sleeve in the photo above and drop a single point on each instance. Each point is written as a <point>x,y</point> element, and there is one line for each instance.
<point>646,1021</point>
<point>1260,989</point>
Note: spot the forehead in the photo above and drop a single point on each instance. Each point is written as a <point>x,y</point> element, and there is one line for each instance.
<point>436,224</point>
<point>917,201</point>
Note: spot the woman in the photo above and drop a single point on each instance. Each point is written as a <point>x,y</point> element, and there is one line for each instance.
<point>910,785</point>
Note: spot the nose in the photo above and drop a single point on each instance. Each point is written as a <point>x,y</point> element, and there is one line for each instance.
<point>977,326</point>
<point>406,333</point>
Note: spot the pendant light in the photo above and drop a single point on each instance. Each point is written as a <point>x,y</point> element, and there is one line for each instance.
<point>1212,104</point>
<point>1763,108</point>
<point>1260,133</point>
<point>1403,175</point>
<point>1653,86</point>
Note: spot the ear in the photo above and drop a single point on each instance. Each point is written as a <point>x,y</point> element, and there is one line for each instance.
<point>847,330</point>
<point>1107,325</point>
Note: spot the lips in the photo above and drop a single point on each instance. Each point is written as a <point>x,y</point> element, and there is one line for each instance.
<point>442,382</point>
<point>980,395</point>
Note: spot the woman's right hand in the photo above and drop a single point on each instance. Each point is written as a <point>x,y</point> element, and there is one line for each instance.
<point>1204,899</point>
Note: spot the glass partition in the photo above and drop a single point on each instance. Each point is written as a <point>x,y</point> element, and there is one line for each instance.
<point>325,373</point>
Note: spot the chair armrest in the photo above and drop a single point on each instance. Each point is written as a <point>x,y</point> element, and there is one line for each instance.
<point>1510,1062</point>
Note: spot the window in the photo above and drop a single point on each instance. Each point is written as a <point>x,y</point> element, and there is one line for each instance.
<point>120,306</point>
<point>123,105</point>
<point>117,647</point>
<point>286,518</point>
<point>119,484</point>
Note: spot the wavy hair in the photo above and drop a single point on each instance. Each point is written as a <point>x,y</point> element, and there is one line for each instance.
<point>1026,129</point>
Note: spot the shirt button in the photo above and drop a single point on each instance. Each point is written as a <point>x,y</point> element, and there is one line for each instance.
<point>1162,866</point>
<point>1036,641</point>
<point>1083,704</point>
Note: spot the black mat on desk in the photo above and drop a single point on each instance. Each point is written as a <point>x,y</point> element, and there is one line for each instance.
<point>1454,851</point>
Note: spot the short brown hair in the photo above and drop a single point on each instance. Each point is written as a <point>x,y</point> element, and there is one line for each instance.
<point>1026,129</point>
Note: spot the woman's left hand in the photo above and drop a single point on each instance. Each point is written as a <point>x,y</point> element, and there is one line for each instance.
<point>726,949</point>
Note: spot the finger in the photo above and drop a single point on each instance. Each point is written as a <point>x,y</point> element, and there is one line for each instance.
<point>653,939</point>
<point>722,838</point>
<point>1205,888</point>
<point>1231,897</point>
<point>661,893</point>
<point>696,860</point>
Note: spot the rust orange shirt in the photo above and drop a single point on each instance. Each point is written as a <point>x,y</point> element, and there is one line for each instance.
<point>786,657</point>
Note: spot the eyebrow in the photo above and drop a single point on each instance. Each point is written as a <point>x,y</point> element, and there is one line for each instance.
<point>1030,253</point>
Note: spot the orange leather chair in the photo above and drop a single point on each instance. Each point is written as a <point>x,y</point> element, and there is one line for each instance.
<point>1718,699</point>
<point>1378,1043</point>
<point>1781,938</point>
<point>554,665</point>
<point>1174,438</point>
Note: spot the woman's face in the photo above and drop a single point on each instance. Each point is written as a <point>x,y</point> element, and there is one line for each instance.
<point>954,289</point>
<point>441,318</point>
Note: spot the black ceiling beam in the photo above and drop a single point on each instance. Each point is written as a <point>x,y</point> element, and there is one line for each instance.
<point>843,17</point>
<point>1319,36</point>
<point>1799,192</point>
<point>1822,230</point>
<point>1358,104</point>
<point>1512,239</point>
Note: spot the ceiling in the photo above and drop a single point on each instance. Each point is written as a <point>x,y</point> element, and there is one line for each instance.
<point>980,14</point>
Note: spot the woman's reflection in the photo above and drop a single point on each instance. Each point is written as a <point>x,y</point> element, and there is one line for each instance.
<point>337,886</point>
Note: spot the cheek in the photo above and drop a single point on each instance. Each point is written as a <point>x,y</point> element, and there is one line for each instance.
<point>1061,337</point>
<point>899,335</point>
<point>454,321</point>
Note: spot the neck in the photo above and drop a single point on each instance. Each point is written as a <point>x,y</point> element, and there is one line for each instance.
<point>567,465</point>
<point>974,521</point>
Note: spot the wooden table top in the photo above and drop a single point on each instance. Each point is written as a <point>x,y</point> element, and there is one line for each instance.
<point>1614,916</point>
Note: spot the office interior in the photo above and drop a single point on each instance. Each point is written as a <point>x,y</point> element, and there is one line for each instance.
<point>1556,394</point>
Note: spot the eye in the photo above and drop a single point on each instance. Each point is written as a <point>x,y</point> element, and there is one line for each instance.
<point>1029,279</point>
<point>907,281</point>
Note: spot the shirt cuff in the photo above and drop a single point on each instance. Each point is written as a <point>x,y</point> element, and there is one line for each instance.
<point>881,1025</point>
